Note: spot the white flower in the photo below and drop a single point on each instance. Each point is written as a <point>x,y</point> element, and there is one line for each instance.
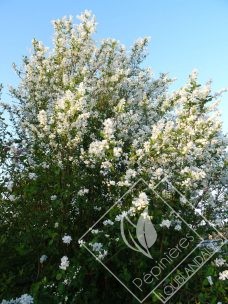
<point>117,152</point>
<point>139,152</point>
<point>66,239</point>
<point>94,231</point>
<point>130,173</point>
<point>24,299</point>
<point>109,128</point>
<point>177,227</point>
<point>223,275</point>
<point>53,197</point>
<point>165,223</point>
<point>107,222</point>
<point>97,208</point>
<point>209,278</point>
<point>97,148</point>
<point>81,242</point>
<point>141,202</point>
<point>183,200</point>
<point>219,262</point>
<point>32,176</point>
<point>119,217</point>
<point>101,256</point>
<point>106,165</point>
<point>43,258</point>
<point>56,225</point>
<point>45,165</point>
<point>83,191</point>
<point>42,117</point>
<point>114,78</point>
<point>112,183</point>
<point>81,88</point>
<point>158,172</point>
<point>193,75</point>
<point>64,263</point>
<point>96,246</point>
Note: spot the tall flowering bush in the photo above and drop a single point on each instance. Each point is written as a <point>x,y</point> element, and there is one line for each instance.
<point>88,120</point>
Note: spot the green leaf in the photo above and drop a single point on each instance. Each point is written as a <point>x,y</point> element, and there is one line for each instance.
<point>58,276</point>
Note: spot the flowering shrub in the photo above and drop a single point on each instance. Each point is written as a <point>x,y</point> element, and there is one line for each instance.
<point>88,122</point>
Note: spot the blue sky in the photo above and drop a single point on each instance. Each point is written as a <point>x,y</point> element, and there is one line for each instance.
<point>184,34</point>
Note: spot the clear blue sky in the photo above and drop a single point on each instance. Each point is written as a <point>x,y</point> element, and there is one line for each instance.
<point>185,34</point>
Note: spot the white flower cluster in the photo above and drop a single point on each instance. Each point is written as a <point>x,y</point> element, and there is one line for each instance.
<point>98,249</point>
<point>83,191</point>
<point>43,258</point>
<point>223,275</point>
<point>96,246</point>
<point>108,222</point>
<point>67,239</point>
<point>94,231</point>
<point>98,148</point>
<point>24,299</point>
<point>42,118</point>
<point>177,227</point>
<point>109,128</point>
<point>139,203</point>
<point>165,223</point>
<point>32,176</point>
<point>219,262</point>
<point>102,255</point>
<point>119,217</point>
<point>130,174</point>
<point>117,152</point>
<point>175,223</point>
<point>81,243</point>
<point>64,263</point>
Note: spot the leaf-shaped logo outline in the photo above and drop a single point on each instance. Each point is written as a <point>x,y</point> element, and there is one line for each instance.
<point>145,230</point>
<point>145,233</point>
